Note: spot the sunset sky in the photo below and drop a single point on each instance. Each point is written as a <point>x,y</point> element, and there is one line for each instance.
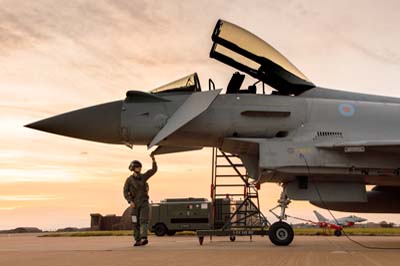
<point>57,56</point>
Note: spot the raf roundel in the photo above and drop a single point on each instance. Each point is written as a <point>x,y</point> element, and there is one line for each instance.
<point>346,109</point>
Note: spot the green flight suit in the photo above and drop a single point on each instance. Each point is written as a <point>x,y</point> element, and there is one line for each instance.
<point>136,190</point>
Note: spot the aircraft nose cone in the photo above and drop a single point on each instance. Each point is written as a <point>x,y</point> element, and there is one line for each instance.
<point>99,123</point>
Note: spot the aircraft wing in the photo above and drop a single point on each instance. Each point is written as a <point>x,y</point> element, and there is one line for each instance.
<point>195,105</point>
<point>173,149</point>
<point>392,145</point>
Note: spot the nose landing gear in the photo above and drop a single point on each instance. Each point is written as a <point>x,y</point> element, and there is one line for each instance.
<point>281,233</point>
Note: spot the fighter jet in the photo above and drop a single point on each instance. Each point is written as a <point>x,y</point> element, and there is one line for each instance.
<point>338,223</point>
<point>344,221</point>
<point>321,145</point>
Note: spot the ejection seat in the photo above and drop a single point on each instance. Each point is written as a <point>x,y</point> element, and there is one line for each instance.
<point>236,82</point>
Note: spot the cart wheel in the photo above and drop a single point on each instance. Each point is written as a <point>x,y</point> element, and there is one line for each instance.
<point>232,238</point>
<point>201,240</point>
<point>160,229</point>
<point>281,234</point>
<point>338,233</point>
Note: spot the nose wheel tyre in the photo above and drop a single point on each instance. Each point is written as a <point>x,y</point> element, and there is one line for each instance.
<point>281,234</point>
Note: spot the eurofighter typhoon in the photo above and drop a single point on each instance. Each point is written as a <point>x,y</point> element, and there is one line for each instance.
<point>321,145</point>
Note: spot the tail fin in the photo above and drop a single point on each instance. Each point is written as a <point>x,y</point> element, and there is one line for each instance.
<point>320,217</point>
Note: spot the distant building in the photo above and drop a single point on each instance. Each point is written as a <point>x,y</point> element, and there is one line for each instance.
<point>111,222</point>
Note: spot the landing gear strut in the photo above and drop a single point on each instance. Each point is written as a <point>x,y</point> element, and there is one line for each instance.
<point>281,233</point>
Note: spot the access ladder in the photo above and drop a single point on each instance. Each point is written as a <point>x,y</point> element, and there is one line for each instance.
<point>235,202</point>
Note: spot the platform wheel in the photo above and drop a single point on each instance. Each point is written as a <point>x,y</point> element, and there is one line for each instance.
<point>201,240</point>
<point>160,229</point>
<point>338,232</point>
<point>232,238</point>
<point>281,233</point>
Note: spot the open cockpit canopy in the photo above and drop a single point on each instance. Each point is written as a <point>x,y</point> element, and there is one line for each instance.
<point>189,83</point>
<point>246,52</point>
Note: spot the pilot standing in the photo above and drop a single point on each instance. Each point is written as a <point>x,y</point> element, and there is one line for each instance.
<point>136,192</point>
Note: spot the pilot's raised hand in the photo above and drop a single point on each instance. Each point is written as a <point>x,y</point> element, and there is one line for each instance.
<point>152,156</point>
